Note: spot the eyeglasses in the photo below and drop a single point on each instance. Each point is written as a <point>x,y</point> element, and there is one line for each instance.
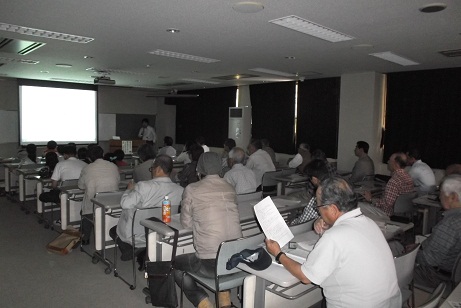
<point>319,206</point>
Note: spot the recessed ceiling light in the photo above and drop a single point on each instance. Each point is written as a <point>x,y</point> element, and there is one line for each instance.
<point>433,7</point>
<point>182,56</point>
<point>23,61</point>
<point>392,57</point>
<point>272,72</point>
<point>63,65</point>
<point>290,58</point>
<point>311,28</point>
<point>248,7</point>
<point>44,72</point>
<point>87,57</point>
<point>173,30</point>
<point>45,33</point>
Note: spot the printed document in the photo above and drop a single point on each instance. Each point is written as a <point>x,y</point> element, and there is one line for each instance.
<point>272,222</point>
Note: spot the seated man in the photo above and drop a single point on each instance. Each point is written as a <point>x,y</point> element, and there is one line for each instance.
<point>302,158</point>
<point>99,176</point>
<point>422,175</point>
<point>453,169</point>
<point>68,169</point>
<point>439,252</point>
<point>364,165</point>
<point>209,208</point>
<point>168,147</point>
<point>317,171</point>
<point>147,155</point>
<point>144,194</point>
<point>259,161</point>
<point>399,183</point>
<point>352,261</point>
<point>189,173</point>
<point>239,176</point>
<point>267,147</point>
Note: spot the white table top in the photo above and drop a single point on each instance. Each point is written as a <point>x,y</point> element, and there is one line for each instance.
<point>428,200</point>
<point>455,297</point>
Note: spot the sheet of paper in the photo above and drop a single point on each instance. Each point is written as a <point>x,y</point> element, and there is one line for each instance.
<point>272,222</point>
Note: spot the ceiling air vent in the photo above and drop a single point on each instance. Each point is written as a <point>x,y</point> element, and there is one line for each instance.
<point>451,53</point>
<point>18,46</point>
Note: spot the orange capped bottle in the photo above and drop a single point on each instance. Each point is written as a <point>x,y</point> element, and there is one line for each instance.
<point>166,210</point>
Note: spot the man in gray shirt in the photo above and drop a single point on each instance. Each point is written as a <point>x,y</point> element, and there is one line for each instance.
<point>364,165</point>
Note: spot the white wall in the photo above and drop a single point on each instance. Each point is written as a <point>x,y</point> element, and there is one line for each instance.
<point>360,112</point>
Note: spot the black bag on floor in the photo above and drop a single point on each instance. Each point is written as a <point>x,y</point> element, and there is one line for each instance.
<point>160,278</point>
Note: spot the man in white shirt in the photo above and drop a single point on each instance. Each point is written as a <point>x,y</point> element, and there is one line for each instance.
<point>239,176</point>
<point>259,161</point>
<point>301,159</point>
<point>68,169</point>
<point>142,195</point>
<point>167,149</point>
<point>147,132</point>
<point>422,175</point>
<point>352,261</point>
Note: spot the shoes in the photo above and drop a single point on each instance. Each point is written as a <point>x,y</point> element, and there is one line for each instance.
<point>85,242</point>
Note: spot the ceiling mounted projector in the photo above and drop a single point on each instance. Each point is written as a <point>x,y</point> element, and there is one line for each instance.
<point>104,80</point>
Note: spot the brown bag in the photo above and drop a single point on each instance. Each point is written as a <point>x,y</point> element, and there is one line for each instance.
<point>64,243</point>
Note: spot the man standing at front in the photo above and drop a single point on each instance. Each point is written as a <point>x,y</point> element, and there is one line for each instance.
<point>147,132</point>
<point>259,161</point>
<point>352,261</point>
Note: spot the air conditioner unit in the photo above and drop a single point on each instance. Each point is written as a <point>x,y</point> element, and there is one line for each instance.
<point>104,81</point>
<point>240,125</point>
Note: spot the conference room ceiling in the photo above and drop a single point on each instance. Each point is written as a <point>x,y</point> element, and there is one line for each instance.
<point>240,42</point>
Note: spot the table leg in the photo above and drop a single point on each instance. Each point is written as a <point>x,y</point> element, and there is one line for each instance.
<point>260,293</point>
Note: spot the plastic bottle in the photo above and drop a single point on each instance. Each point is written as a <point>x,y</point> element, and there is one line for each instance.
<point>166,210</point>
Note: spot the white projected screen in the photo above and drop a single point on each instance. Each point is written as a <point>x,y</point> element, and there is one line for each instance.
<point>62,115</point>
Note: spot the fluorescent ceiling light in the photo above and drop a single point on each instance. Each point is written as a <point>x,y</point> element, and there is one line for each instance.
<point>182,56</point>
<point>311,28</point>
<point>23,61</point>
<point>392,57</point>
<point>272,72</point>
<point>200,81</point>
<point>45,33</point>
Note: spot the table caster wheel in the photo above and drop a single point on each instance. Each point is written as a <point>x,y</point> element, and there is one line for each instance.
<point>94,260</point>
<point>108,271</point>
<point>132,287</point>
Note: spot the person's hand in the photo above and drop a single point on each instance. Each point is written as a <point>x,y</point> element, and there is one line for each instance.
<point>367,196</point>
<point>320,226</point>
<point>130,185</point>
<point>272,247</point>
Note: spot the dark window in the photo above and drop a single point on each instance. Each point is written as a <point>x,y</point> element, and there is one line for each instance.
<point>422,111</point>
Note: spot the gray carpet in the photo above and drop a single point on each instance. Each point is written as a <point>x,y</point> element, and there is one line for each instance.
<point>33,277</point>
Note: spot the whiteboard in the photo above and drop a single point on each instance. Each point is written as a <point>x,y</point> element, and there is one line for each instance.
<point>9,126</point>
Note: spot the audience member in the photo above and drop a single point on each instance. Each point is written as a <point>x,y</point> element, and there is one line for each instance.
<point>189,173</point>
<point>68,169</point>
<point>51,160</point>
<point>201,140</point>
<point>31,150</point>
<point>167,149</point>
<point>439,252</point>
<point>319,154</point>
<point>302,158</point>
<point>239,176</point>
<point>229,144</point>
<point>142,195</point>
<point>259,161</point>
<point>24,158</point>
<point>51,146</point>
<point>119,156</point>
<point>184,156</point>
<point>81,154</point>
<point>422,175</point>
<point>364,165</point>
<point>99,176</point>
<point>146,155</point>
<point>267,147</point>
<point>209,209</point>
<point>453,169</point>
<point>352,261</point>
<point>147,132</point>
<point>399,183</point>
<point>317,171</point>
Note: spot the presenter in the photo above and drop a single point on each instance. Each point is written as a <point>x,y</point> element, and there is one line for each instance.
<point>147,132</point>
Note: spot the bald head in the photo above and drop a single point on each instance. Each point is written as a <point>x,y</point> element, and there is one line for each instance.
<point>453,169</point>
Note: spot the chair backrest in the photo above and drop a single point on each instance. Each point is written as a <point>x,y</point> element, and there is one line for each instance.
<point>269,184</point>
<point>303,227</point>
<point>370,177</point>
<point>434,300</point>
<point>249,196</point>
<point>403,203</point>
<point>404,265</point>
<point>67,183</point>
<point>456,272</point>
<point>228,248</point>
<point>288,171</point>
